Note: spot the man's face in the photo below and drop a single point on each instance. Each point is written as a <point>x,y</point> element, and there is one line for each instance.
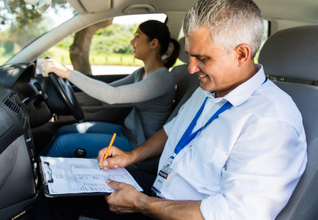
<point>217,70</point>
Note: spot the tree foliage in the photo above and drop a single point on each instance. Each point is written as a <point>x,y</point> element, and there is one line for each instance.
<point>113,39</point>
<point>20,19</point>
<point>79,50</point>
<point>20,15</point>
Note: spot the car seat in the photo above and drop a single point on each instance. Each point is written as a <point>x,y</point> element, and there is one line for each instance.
<point>186,84</point>
<point>290,59</point>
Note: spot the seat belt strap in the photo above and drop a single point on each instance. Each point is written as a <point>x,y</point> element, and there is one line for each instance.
<point>138,127</point>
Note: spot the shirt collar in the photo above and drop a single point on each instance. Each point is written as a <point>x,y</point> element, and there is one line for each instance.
<point>241,93</point>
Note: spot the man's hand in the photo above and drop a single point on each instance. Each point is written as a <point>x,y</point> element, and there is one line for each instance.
<point>116,158</point>
<point>51,65</point>
<point>125,198</point>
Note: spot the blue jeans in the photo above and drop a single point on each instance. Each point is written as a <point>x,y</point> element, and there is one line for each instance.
<point>92,136</point>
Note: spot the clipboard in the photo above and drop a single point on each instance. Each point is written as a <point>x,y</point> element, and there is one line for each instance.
<point>79,177</point>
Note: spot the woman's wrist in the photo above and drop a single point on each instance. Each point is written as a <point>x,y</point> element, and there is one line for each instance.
<point>68,73</point>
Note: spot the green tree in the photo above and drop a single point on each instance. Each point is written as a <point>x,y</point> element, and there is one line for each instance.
<point>113,39</point>
<point>21,19</point>
<point>79,50</point>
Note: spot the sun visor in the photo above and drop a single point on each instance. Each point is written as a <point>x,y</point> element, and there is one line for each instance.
<point>86,6</point>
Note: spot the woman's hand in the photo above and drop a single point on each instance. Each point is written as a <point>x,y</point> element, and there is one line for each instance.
<point>116,158</point>
<point>51,65</point>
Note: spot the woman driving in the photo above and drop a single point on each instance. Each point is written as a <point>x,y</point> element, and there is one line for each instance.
<point>151,90</point>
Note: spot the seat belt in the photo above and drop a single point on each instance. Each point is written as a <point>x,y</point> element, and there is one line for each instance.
<point>138,127</point>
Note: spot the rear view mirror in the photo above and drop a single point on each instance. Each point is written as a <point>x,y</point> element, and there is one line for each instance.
<point>42,5</point>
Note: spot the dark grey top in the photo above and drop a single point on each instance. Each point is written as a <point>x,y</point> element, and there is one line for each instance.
<point>153,96</point>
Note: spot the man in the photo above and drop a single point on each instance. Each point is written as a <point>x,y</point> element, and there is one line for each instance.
<point>236,149</point>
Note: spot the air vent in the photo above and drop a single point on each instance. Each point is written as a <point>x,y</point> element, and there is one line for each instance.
<point>10,101</point>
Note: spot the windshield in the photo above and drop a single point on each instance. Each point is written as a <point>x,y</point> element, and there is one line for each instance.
<point>21,24</point>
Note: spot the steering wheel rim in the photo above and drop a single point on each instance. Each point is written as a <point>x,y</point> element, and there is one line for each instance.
<point>67,95</point>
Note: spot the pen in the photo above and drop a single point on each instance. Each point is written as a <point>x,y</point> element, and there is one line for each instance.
<point>108,149</point>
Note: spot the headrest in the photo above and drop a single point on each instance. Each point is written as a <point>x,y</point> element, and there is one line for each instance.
<point>292,53</point>
<point>183,56</point>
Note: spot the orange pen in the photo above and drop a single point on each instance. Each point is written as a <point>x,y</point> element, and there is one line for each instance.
<point>108,149</point>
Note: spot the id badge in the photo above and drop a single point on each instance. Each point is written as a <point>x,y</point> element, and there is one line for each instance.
<point>161,179</point>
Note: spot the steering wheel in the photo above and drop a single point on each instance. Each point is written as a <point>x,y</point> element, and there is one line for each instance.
<point>66,94</point>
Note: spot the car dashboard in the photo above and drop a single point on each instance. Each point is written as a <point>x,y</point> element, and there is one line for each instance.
<point>18,178</point>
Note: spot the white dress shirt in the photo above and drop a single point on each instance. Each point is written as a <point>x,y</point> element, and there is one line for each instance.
<point>246,163</point>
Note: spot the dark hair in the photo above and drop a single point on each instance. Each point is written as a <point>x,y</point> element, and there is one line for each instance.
<point>156,29</point>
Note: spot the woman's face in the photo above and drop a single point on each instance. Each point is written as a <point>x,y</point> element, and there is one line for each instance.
<point>141,45</point>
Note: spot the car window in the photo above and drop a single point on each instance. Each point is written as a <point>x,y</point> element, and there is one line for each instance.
<point>264,38</point>
<point>110,51</point>
<point>20,24</point>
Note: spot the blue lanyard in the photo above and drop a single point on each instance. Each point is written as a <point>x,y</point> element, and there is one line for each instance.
<point>186,137</point>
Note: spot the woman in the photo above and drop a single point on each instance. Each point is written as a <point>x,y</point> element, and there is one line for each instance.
<point>151,89</point>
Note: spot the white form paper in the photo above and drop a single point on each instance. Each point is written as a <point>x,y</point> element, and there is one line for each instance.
<point>81,175</point>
